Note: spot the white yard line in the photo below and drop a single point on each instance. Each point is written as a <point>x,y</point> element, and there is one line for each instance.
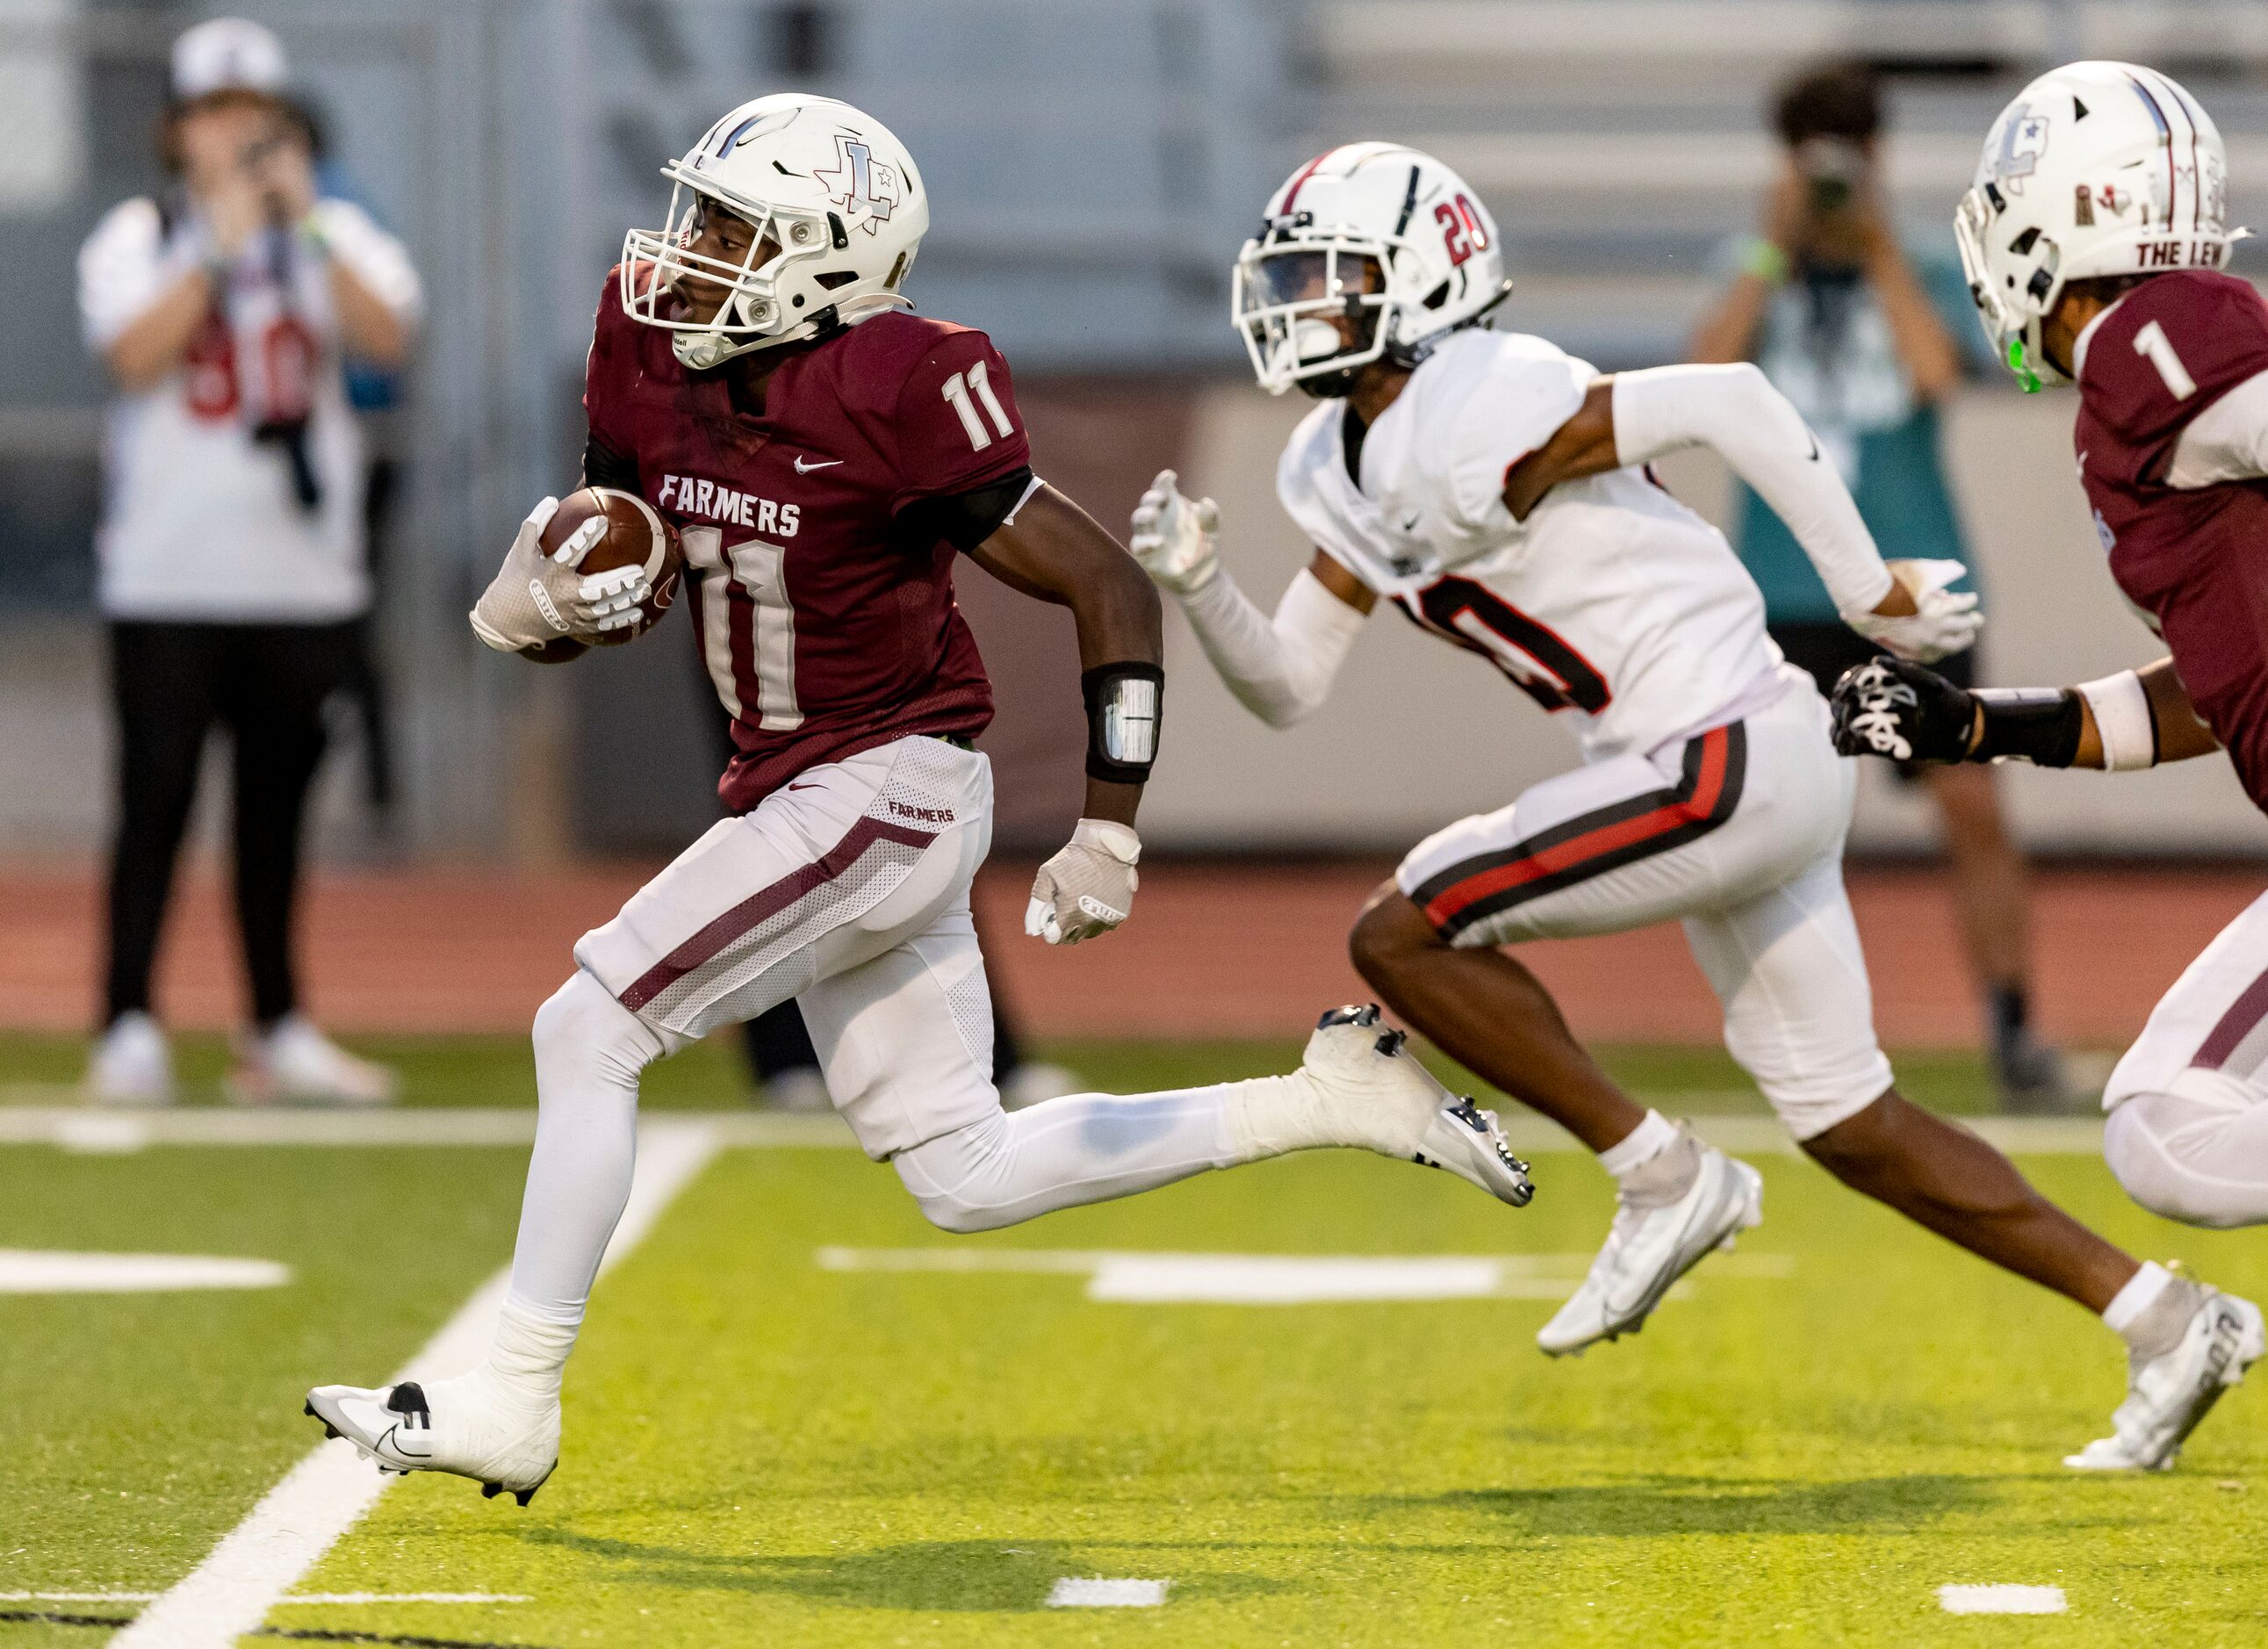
<point>1072,1592</point>
<point>2001,1600</point>
<point>297,1598</point>
<point>49,1271</point>
<point>76,1128</point>
<point>328,1491</point>
<point>1155,1278</point>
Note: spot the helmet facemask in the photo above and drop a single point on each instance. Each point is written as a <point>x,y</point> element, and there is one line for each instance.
<point>753,314</point>
<point>2012,306</point>
<point>1312,311</point>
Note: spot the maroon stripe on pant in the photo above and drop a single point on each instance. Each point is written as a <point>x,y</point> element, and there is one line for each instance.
<point>704,946</point>
<point>2244,1015</point>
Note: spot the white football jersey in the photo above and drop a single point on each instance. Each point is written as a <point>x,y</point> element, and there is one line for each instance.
<point>1612,601</point>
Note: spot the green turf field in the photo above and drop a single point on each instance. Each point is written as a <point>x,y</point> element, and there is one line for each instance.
<point>785,1428</point>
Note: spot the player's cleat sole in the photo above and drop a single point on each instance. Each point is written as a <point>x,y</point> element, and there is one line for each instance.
<point>1650,1248</point>
<point>2167,1397</point>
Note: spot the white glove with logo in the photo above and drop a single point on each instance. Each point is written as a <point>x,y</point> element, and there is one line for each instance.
<point>536,599</point>
<point>1088,887</point>
<point>1173,537</point>
<point>1944,622</point>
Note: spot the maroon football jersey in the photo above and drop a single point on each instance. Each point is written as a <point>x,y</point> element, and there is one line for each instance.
<point>2196,561</point>
<point>827,621</point>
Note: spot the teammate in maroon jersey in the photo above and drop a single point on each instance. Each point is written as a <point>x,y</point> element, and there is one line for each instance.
<point>2094,238</point>
<point>754,375</point>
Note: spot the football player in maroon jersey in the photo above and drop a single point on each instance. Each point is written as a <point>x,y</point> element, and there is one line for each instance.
<point>2094,242</point>
<point>827,456</point>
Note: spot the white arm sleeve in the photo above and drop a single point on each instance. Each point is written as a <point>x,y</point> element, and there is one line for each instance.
<point>2228,441</point>
<point>1282,669</point>
<point>1735,410</point>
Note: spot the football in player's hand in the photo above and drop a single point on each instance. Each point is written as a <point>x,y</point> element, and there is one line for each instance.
<point>636,536</point>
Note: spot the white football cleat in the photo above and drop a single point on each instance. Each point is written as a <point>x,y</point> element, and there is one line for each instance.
<point>131,1064</point>
<point>468,1425</point>
<point>2166,1395</point>
<point>294,1063</point>
<point>1364,1088</point>
<point>1649,1248</point>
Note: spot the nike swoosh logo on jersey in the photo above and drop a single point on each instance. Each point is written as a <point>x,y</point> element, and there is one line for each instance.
<point>805,469</point>
<point>811,786</point>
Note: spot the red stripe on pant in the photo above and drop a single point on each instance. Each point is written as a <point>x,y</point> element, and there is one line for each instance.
<point>706,945</point>
<point>2250,1008</point>
<point>1708,786</point>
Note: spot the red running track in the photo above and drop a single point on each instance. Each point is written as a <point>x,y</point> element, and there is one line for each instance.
<point>1214,949</point>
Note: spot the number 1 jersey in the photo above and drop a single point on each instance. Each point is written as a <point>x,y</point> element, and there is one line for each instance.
<point>1612,601</point>
<point>2193,559</point>
<point>825,597</point>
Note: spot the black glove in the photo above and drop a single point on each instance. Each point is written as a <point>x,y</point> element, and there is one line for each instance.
<point>1903,711</point>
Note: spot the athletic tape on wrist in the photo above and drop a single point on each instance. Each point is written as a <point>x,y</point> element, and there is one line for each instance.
<point>2040,725</point>
<point>1124,705</point>
<point>2123,720</point>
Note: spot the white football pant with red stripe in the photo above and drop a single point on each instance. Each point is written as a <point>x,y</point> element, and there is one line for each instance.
<point>1738,833</point>
<point>848,889</point>
<point>2188,1133</point>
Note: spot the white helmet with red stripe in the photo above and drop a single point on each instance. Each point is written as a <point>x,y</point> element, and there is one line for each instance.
<point>1369,250</point>
<point>2095,169</point>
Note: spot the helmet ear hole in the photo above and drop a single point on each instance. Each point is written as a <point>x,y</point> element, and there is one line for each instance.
<point>2023,243</point>
<point>1438,296</point>
<point>831,279</point>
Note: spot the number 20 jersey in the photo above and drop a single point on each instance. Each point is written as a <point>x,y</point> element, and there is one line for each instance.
<point>825,605</point>
<point>1611,603</point>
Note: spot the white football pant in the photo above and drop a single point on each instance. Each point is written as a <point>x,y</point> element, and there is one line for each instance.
<point>849,890</point>
<point>1737,832</point>
<point>2188,1131</point>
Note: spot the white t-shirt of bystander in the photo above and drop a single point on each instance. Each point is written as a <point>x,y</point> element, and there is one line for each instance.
<point>202,521</point>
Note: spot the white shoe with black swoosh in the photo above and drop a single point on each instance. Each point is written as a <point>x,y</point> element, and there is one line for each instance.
<point>468,1425</point>
<point>1363,1087</point>
<point>2166,1395</point>
<point>1649,1248</point>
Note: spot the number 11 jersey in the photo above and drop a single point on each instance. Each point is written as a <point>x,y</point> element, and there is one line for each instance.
<point>825,597</point>
<point>1612,602</point>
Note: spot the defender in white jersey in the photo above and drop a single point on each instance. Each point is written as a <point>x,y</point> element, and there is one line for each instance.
<point>1492,487</point>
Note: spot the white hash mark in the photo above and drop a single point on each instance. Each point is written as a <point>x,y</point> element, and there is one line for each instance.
<point>2001,1600</point>
<point>1072,1592</point>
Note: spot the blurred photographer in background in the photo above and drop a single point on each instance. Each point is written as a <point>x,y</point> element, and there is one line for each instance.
<point>1867,340</point>
<point>232,549</point>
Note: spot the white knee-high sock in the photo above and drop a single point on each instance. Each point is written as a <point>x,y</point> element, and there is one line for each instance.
<point>1082,1148</point>
<point>589,1050</point>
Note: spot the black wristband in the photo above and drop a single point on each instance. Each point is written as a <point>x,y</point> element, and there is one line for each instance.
<point>2040,725</point>
<point>1124,705</point>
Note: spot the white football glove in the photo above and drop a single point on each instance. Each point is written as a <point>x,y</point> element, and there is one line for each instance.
<point>1173,537</point>
<point>1088,887</point>
<point>1944,622</point>
<point>536,599</point>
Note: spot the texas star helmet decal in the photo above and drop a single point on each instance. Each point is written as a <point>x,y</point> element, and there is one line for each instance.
<point>861,184</point>
<point>2023,140</point>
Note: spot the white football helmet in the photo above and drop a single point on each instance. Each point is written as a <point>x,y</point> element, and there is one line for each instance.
<point>2095,169</point>
<point>839,212</point>
<point>1379,234</point>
